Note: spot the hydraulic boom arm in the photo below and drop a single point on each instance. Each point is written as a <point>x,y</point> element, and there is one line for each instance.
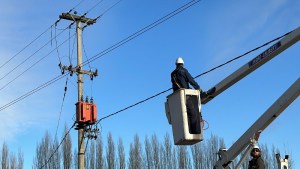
<point>267,118</point>
<point>255,63</point>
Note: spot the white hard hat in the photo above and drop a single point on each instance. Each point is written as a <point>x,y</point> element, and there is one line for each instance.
<point>179,61</point>
<point>256,147</point>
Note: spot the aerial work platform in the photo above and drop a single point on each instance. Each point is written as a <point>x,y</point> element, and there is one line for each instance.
<point>176,112</point>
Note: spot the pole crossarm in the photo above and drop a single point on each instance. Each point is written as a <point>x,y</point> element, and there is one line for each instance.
<point>78,70</point>
<point>77,18</point>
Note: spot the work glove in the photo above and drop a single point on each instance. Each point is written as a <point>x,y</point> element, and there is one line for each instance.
<point>203,94</point>
<point>208,93</point>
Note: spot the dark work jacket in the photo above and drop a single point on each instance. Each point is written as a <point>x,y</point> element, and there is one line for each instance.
<point>256,163</point>
<point>181,78</point>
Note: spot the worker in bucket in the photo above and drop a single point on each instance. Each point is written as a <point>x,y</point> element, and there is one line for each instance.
<point>256,162</point>
<point>181,78</point>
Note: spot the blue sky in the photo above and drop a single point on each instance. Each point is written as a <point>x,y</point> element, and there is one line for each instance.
<point>205,35</point>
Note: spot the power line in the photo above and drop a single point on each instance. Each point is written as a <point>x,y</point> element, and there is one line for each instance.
<point>142,31</point>
<point>50,41</point>
<point>4,86</point>
<point>34,54</point>
<point>73,47</point>
<point>61,76</point>
<point>151,97</point>
<point>56,45</point>
<point>244,54</point>
<point>111,48</point>
<point>6,62</point>
<point>94,58</point>
<point>93,7</point>
<point>62,104</point>
<point>65,136</point>
<point>88,60</point>
<point>33,91</point>
<point>85,53</point>
<point>206,72</point>
<point>111,7</point>
<point>122,42</point>
<point>76,6</point>
<point>133,105</point>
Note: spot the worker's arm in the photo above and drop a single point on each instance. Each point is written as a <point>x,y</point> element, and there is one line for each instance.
<point>191,80</point>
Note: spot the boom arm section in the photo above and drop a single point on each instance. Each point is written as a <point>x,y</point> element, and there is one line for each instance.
<point>255,63</point>
<point>267,118</point>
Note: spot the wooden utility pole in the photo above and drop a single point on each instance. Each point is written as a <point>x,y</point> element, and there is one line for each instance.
<point>80,72</point>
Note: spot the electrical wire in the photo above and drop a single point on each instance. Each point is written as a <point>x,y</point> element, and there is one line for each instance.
<point>30,43</point>
<point>6,62</point>
<point>4,86</point>
<point>203,123</point>
<point>111,7</point>
<point>88,62</point>
<point>86,56</point>
<point>243,54</point>
<point>206,72</point>
<point>70,56</point>
<point>85,53</point>
<point>62,105</point>
<point>57,147</point>
<point>33,55</point>
<point>76,6</point>
<point>56,45</point>
<point>142,31</point>
<point>102,13</point>
<point>93,7</point>
<point>119,43</point>
<point>130,38</point>
<point>70,60</point>
<point>50,41</point>
<point>164,92</point>
<point>33,91</point>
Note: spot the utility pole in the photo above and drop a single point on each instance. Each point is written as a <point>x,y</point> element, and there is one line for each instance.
<point>80,72</point>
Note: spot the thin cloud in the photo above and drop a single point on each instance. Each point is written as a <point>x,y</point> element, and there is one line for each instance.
<point>236,27</point>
